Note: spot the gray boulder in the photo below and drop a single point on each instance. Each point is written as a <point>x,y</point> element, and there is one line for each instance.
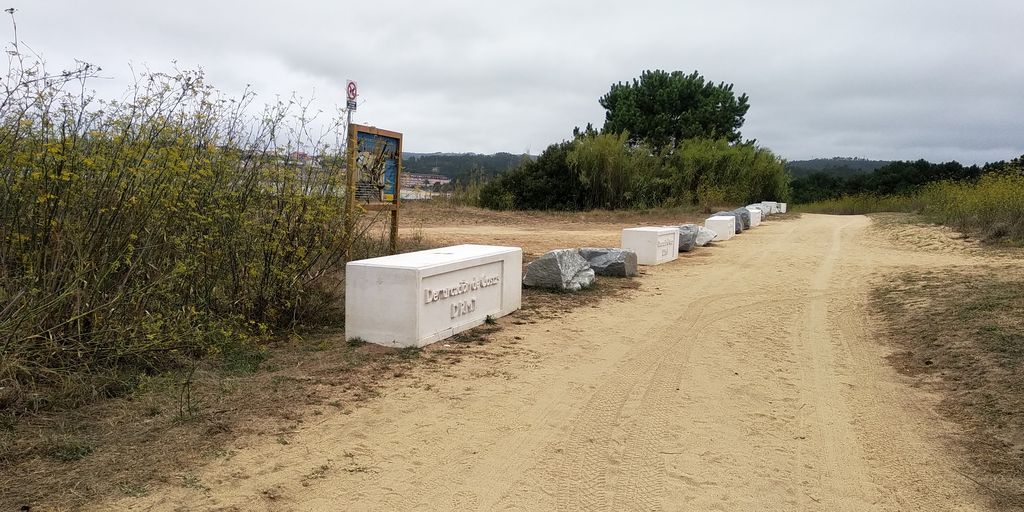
<point>611,262</point>
<point>561,269</point>
<point>739,220</point>
<point>687,237</point>
<point>704,236</point>
<point>744,216</point>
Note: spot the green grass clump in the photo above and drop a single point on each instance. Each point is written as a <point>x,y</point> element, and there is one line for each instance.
<point>68,448</point>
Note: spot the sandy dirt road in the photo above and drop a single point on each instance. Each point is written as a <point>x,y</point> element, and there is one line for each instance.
<point>741,377</point>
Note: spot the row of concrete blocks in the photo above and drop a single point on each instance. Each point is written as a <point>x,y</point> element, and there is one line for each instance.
<point>757,211</point>
<point>657,245</point>
<point>418,298</point>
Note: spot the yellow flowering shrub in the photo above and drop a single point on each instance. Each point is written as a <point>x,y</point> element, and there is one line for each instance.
<point>169,225</point>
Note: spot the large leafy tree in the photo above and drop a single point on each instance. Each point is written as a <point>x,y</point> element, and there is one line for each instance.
<point>662,109</point>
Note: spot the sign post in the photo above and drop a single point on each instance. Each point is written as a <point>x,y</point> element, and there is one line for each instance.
<point>374,171</point>
<point>352,92</point>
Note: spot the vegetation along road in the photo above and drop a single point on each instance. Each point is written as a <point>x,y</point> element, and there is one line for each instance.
<point>747,376</point>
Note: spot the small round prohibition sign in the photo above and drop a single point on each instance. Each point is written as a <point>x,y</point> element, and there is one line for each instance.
<point>352,91</point>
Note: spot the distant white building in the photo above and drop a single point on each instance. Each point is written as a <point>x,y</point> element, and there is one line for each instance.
<point>413,180</point>
<point>415,194</point>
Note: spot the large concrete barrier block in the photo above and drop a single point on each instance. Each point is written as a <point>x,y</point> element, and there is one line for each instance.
<point>739,219</point>
<point>765,211</point>
<point>723,225</point>
<point>417,298</point>
<point>782,207</point>
<point>652,245</point>
<point>755,216</point>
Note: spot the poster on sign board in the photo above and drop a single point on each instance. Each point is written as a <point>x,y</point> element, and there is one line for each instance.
<point>378,164</point>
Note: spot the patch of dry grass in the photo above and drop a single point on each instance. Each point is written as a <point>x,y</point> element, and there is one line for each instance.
<point>123,446</point>
<point>959,331</point>
<point>433,214</point>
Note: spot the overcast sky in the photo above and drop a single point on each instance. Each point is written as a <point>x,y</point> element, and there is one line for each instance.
<point>886,79</point>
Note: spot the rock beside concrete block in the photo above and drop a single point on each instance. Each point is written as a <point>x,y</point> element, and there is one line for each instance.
<point>744,217</point>
<point>561,269</point>
<point>687,237</point>
<point>612,262</point>
<point>704,236</point>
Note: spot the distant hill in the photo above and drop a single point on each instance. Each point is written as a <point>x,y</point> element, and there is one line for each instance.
<point>456,165</point>
<point>836,166</point>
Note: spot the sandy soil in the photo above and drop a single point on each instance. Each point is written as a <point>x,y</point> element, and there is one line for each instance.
<point>741,377</point>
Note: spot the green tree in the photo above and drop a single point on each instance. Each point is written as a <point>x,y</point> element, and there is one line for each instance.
<point>662,109</point>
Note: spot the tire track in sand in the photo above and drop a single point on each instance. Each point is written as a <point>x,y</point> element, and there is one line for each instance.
<point>831,467</point>
<point>652,380</point>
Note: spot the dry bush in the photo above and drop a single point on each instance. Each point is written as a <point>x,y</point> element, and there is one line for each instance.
<point>138,234</point>
<point>994,206</point>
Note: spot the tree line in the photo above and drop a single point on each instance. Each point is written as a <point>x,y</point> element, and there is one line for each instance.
<point>986,201</point>
<point>895,178</point>
<point>844,166</point>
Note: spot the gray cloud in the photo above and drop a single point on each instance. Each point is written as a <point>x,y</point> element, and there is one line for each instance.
<point>875,78</point>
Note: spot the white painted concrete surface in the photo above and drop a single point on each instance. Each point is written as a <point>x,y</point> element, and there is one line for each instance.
<point>755,217</point>
<point>652,245</point>
<point>782,207</point>
<point>417,298</point>
<point>723,225</point>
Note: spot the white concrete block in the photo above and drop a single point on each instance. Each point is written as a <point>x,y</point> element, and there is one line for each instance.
<point>755,217</point>
<point>723,225</point>
<point>417,298</point>
<point>652,245</point>
<point>773,207</point>
<point>782,207</point>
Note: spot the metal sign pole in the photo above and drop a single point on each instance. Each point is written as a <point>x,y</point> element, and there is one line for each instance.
<point>350,173</point>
